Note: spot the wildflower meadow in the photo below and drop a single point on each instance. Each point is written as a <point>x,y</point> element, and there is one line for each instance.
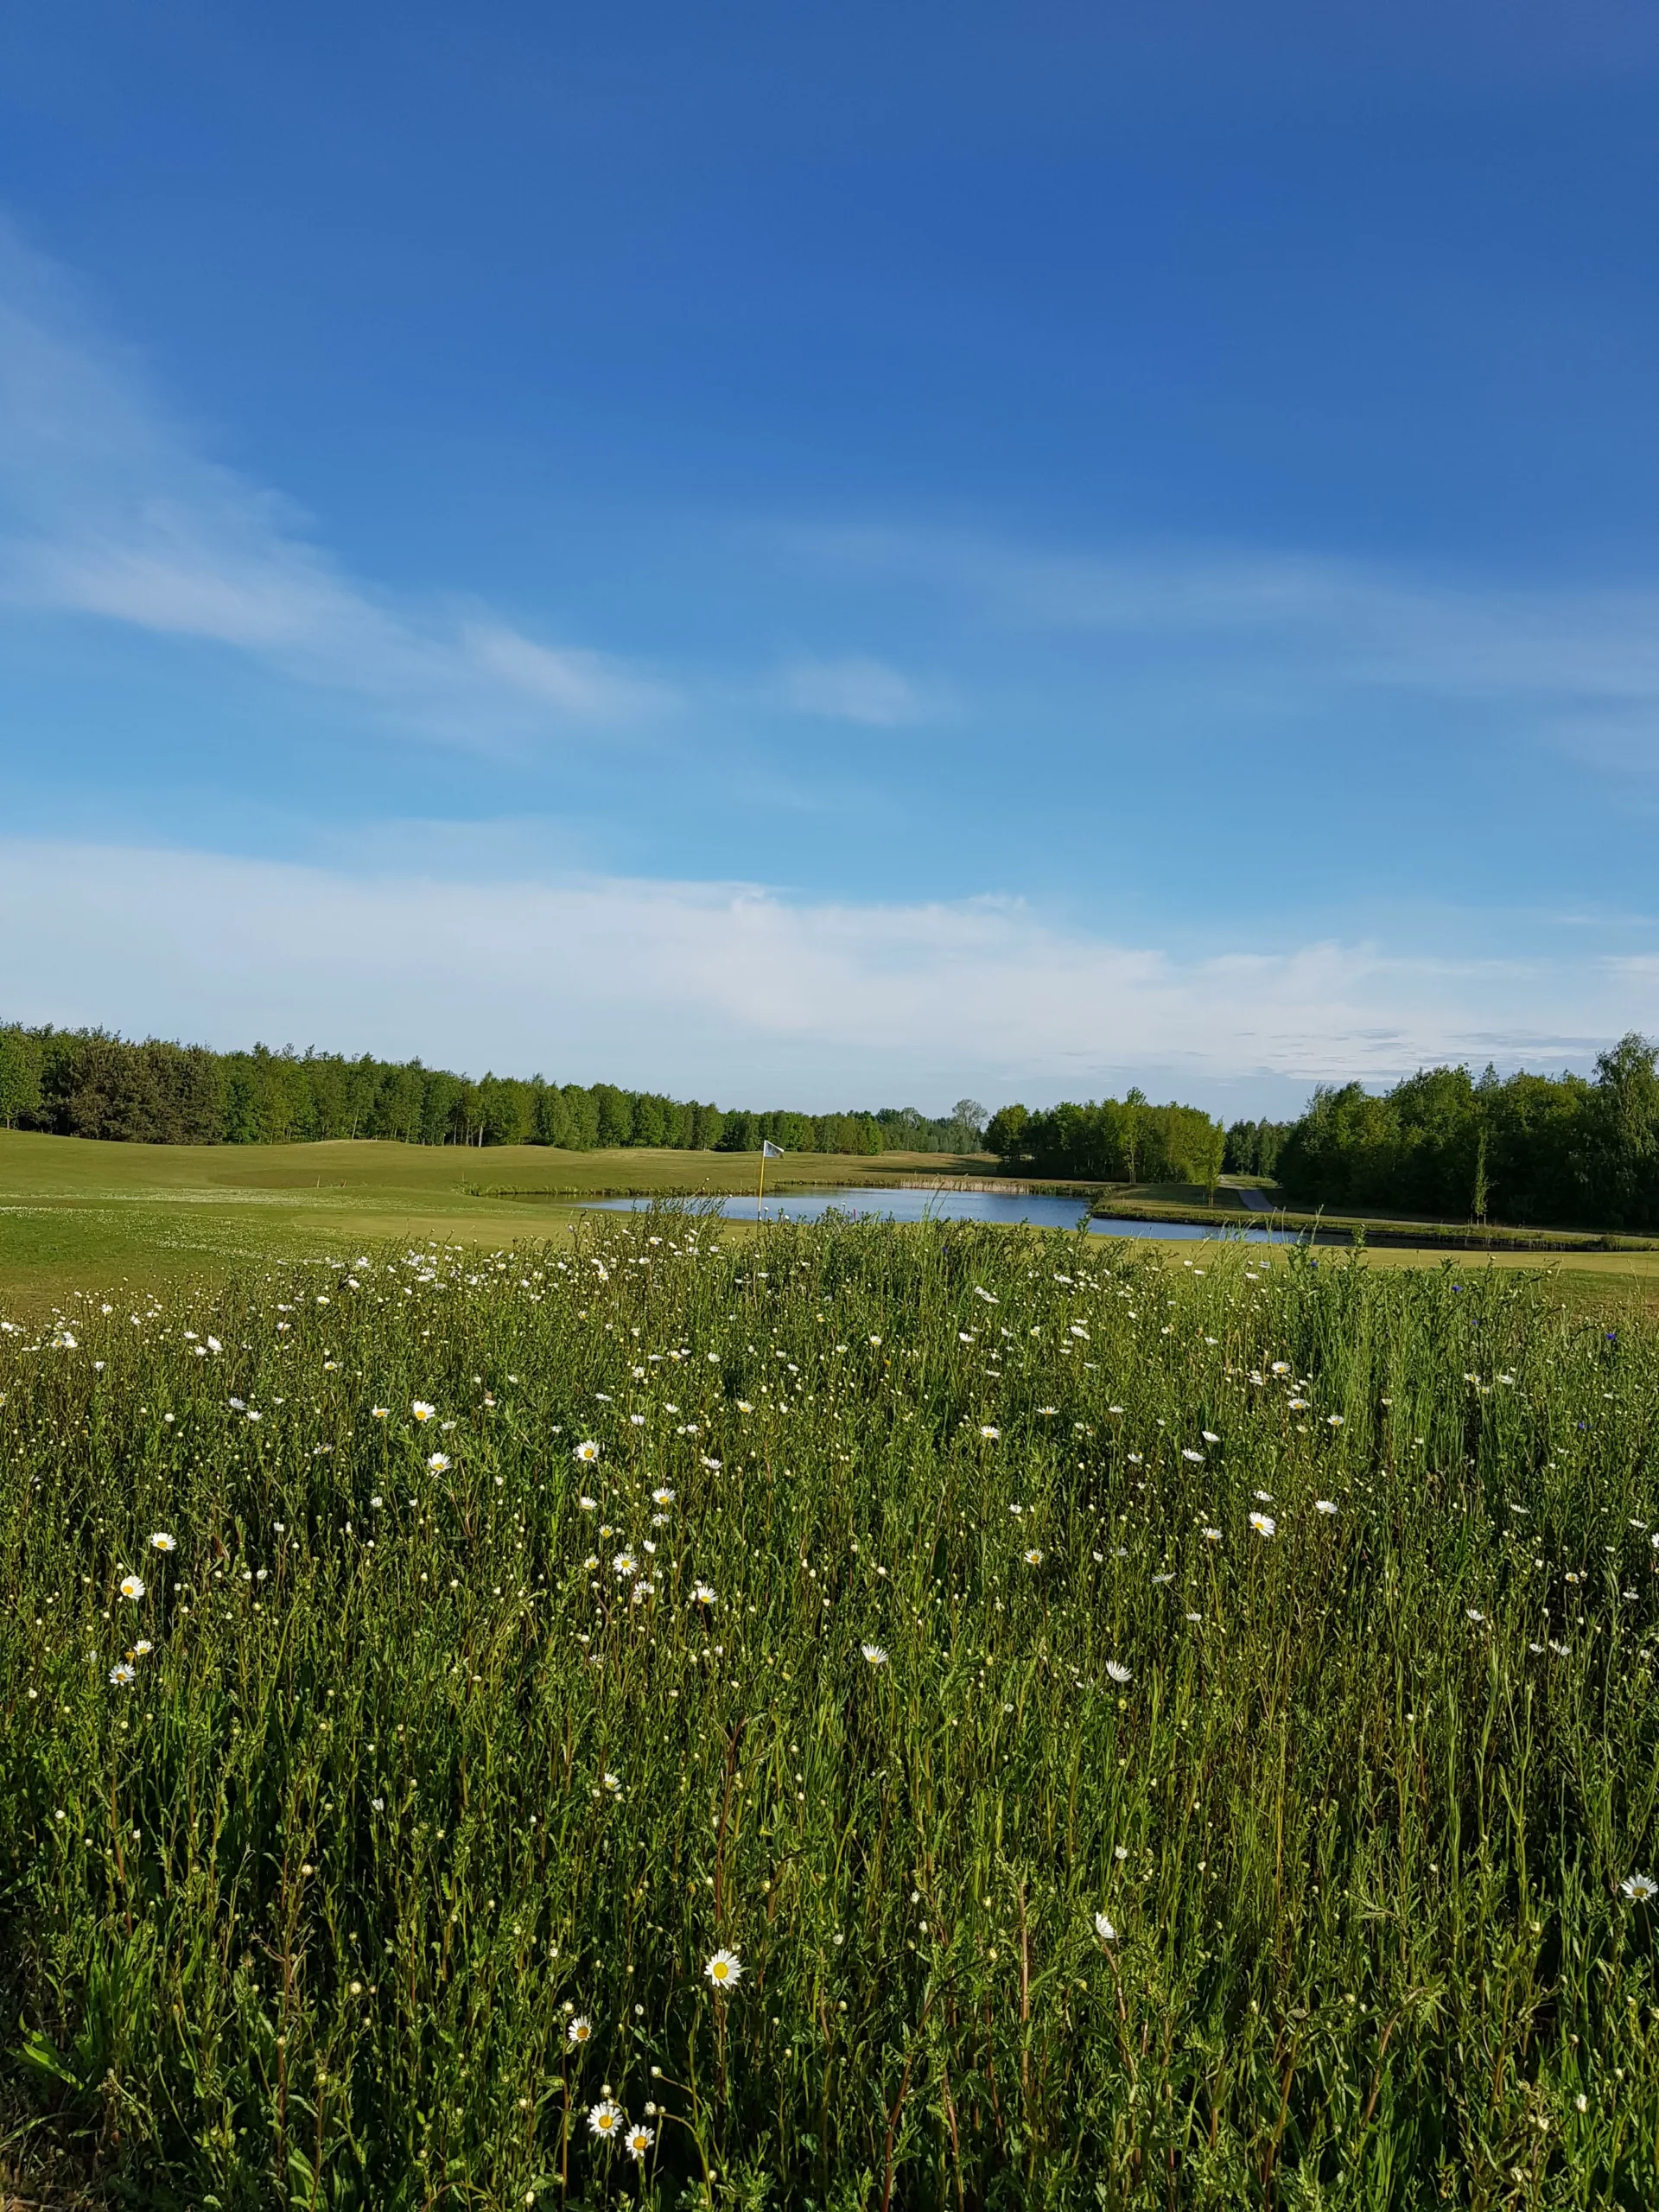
<point>845,1717</point>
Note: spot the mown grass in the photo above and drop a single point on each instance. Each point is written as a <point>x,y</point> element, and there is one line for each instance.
<point>411,1777</point>
<point>76,1213</point>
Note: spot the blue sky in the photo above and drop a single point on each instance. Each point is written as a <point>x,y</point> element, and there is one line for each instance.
<point>839,559</point>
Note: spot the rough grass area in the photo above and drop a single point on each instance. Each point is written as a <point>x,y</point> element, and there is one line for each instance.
<point>1138,1733</point>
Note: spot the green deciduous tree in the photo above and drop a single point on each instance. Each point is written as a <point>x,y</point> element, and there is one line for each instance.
<point>1526,1148</point>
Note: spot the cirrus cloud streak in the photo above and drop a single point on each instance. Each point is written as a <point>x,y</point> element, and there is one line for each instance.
<point>108,509</point>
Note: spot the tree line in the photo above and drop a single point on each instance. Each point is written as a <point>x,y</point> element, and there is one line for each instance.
<point>1112,1139</point>
<point>87,1083</point>
<point>1253,1147</point>
<point>1559,1150</point>
<point>1563,1150</point>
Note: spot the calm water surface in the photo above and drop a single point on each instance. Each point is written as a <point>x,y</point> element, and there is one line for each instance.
<point>961,1206</point>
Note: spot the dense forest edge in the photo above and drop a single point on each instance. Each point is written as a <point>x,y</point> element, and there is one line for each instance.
<point>86,1082</point>
<point>1531,1150</point>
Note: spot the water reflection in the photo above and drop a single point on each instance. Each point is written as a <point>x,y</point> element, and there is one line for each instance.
<point>1040,1209</point>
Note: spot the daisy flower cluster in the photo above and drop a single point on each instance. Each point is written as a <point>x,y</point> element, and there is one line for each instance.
<point>733,1662</point>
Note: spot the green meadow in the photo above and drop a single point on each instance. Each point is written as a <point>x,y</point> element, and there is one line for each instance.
<point>838,1717</point>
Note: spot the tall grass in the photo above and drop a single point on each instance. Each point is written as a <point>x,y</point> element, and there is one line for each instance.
<point>412,1779</point>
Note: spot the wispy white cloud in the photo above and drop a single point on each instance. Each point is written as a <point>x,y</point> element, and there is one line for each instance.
<point>112,510</point>
<point>1584,661</point>
<point>109,508</point>
<point>855,690</point>
<point>730,988</point>
<point>586,686</point>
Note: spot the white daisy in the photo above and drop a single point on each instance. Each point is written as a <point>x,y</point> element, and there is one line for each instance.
<point>161,1542</point>
<point>605,2119</point>
<point>422,1411</point>
<point>725,1970</point>
<point>1104,1929</point>
<point>1639,1888</point>
<point>1324,1505</point>
<point>1263,1523</point>
<point>132,1588</point>
<point>123,1674</point>
<point>875,1654</point>
<point>439,1462</point>
<point>1117,1672</point>
<point>578,2031</point>
<point>587,1451</point>
<point>637,2140</point>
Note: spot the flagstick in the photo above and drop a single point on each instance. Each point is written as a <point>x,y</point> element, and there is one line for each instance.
<point>761,1192</point>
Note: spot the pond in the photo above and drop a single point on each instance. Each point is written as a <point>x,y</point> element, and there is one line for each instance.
<point>1041,1211</point>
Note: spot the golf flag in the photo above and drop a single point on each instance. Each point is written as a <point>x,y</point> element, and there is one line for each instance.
<point>768,1150</point>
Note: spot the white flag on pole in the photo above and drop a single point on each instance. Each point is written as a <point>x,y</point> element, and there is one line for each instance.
<point>769,1151</point>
